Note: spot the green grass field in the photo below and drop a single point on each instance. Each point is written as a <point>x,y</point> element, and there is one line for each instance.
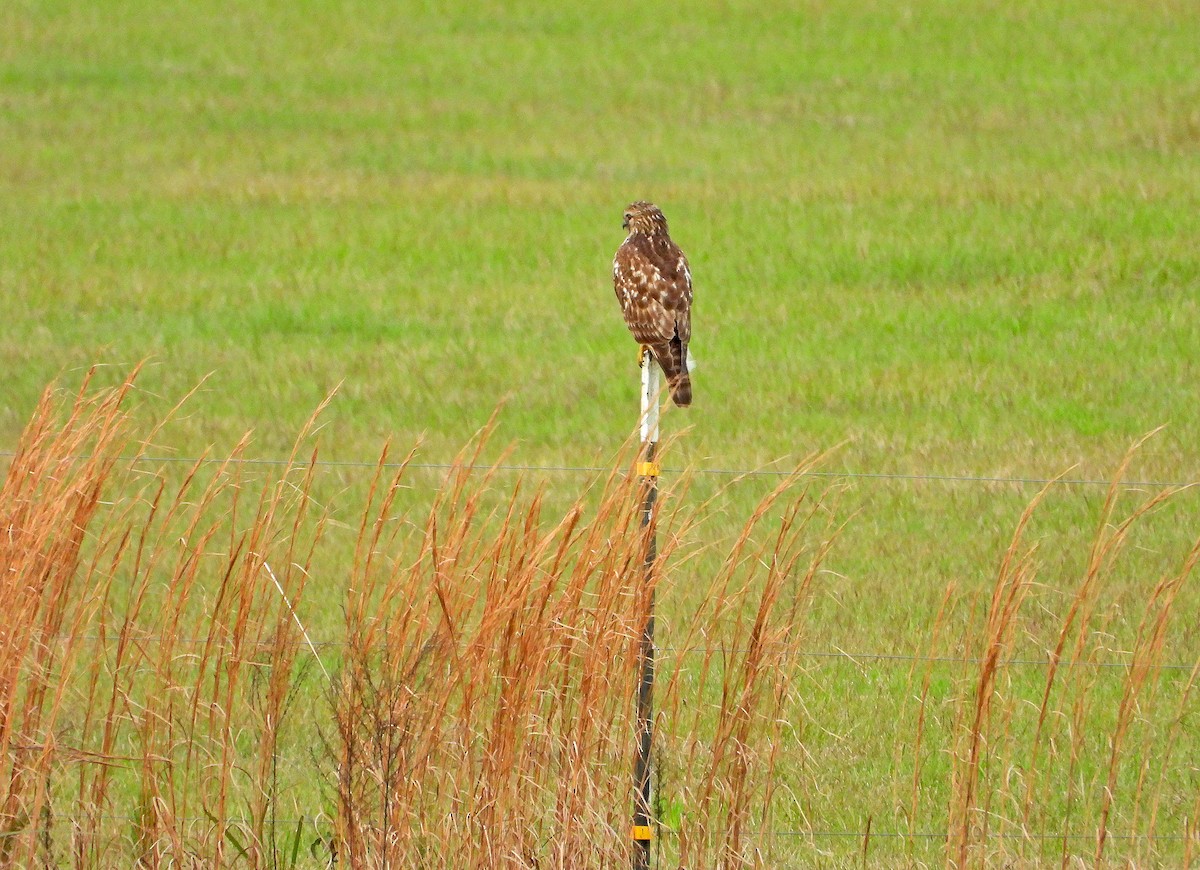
<point>929,239</point>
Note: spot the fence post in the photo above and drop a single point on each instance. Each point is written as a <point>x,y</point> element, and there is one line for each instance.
<point>643,831</point>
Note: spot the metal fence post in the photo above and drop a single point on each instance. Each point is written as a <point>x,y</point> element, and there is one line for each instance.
<point>643,822</point>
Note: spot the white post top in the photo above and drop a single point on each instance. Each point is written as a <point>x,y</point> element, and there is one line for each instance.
<point>650,387</point>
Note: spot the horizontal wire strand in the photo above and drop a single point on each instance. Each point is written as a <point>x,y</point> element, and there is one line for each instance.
<point>847,657</point>
<point>818,834</point>
<point>596,469</point>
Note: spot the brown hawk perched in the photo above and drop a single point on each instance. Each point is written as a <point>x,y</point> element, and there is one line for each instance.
<point>654,286</point>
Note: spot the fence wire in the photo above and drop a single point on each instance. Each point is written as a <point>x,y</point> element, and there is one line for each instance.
<point>854,658</point>
<point>721,472</point>
<point>667,832</point>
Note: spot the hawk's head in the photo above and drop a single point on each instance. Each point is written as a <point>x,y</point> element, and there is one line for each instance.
<point>644,217</point>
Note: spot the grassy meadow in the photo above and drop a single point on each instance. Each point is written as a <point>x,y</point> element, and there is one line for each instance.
<point>950,249</point>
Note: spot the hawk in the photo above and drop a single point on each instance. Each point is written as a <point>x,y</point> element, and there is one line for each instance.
<point>654,286</point>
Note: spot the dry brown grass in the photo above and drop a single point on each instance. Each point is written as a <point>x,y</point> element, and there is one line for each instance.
<point>143,651</point>
<point>480,714</point>
<point>477,709</point>
<point>1004,816</point>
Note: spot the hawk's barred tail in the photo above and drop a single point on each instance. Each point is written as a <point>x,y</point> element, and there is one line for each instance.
<point>674,366</point>
<point>681,391</point>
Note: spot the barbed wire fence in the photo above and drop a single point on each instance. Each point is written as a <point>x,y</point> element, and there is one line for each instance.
<point>698,470</point>
<point>849,658</point>
<point>758,834</point>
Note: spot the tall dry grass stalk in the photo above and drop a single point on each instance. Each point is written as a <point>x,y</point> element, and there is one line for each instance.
<point>1022,787</point>
<point>1013,581</point>
<point>49,497</point>
<point>145,646</point>
<point>724,752</point>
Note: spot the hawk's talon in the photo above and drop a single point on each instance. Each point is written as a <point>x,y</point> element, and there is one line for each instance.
<point>643,349</point>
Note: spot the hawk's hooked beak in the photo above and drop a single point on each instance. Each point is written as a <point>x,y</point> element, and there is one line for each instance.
<point>625,224</point>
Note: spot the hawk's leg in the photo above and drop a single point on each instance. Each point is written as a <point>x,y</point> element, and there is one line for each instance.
<point>643,349</point>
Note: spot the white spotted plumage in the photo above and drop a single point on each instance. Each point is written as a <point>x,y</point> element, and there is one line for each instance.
<point>653,285</point>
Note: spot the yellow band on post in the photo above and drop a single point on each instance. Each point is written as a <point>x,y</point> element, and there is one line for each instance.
<point>642,833</point>
<point>648,469</point>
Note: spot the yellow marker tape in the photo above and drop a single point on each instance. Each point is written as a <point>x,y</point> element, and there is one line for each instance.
<point>648,469</point>
<point>642,833</point>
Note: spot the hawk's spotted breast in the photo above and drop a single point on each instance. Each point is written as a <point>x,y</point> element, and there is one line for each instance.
<point>654,286</point>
